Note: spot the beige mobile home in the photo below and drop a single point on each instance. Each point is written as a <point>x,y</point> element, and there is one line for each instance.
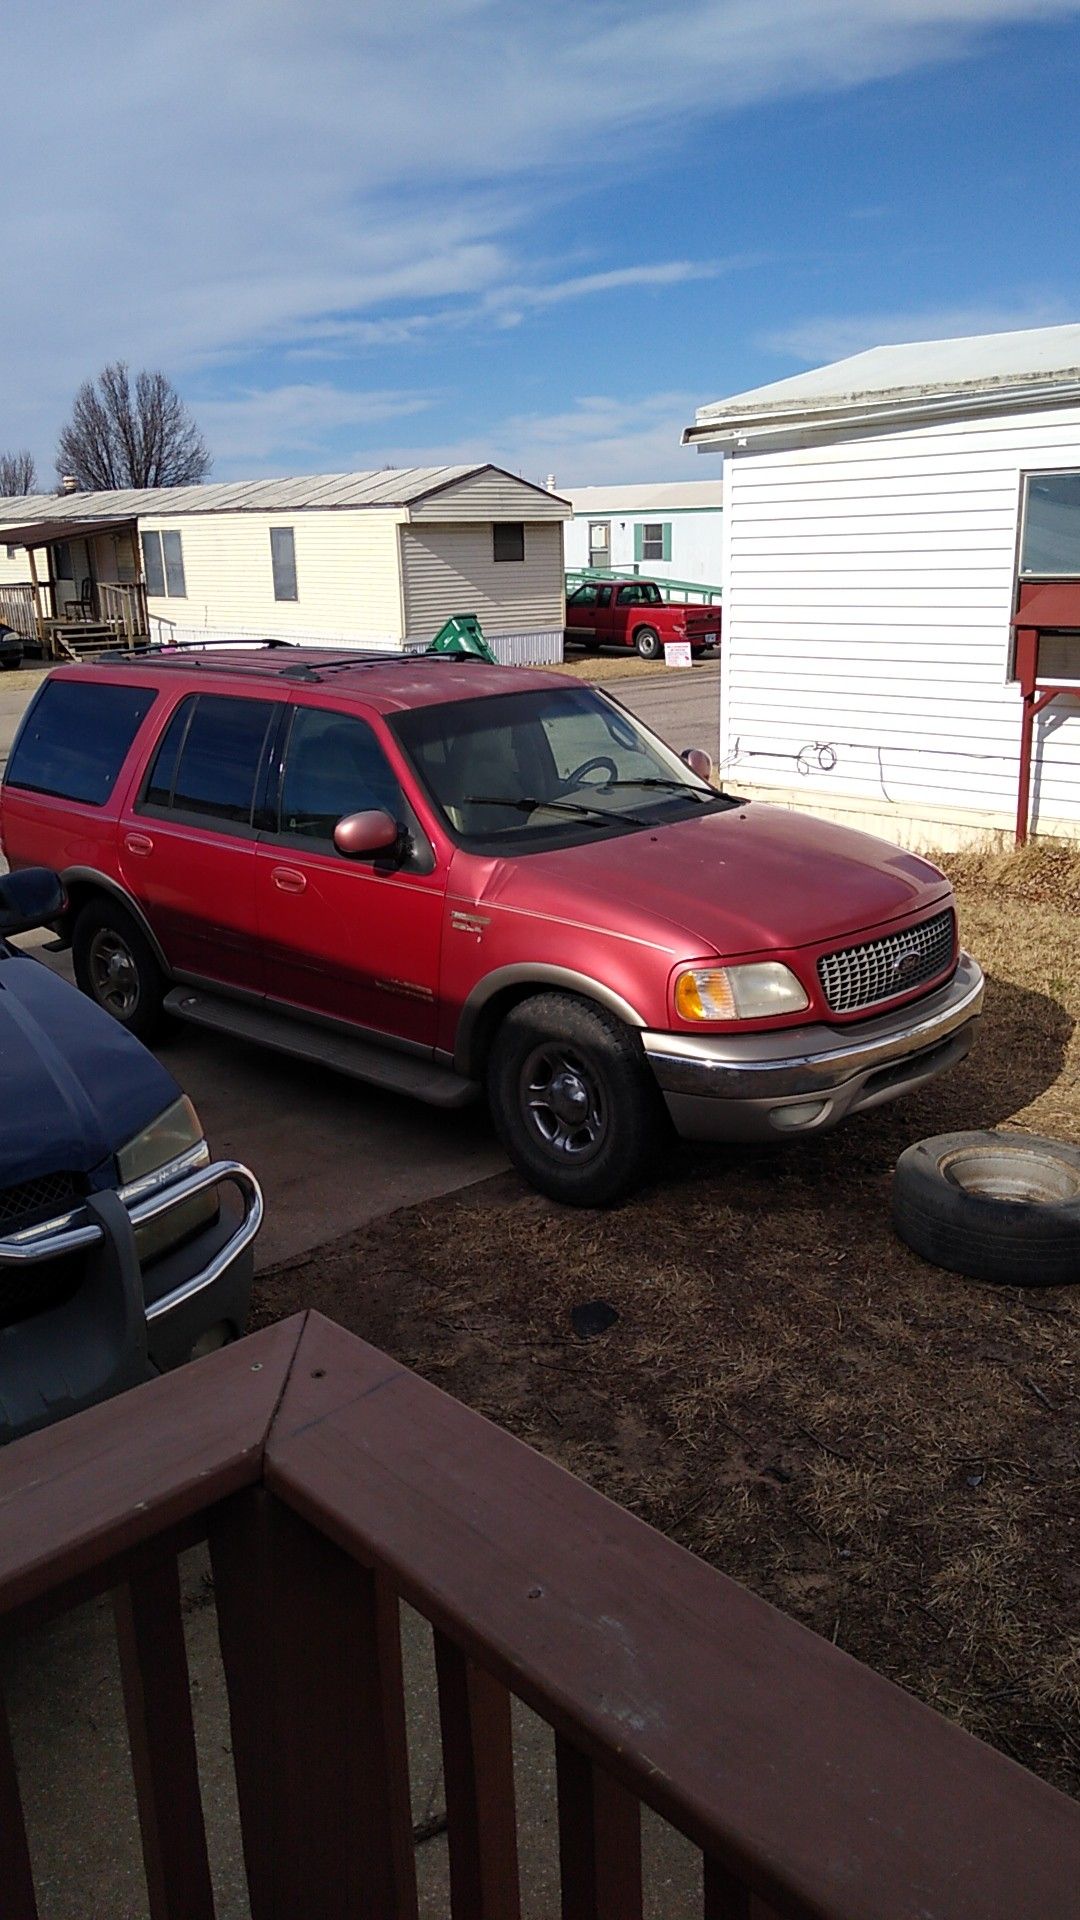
<point>373,559</point>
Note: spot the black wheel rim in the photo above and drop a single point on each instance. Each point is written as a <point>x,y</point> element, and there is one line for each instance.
<point>114,973</point>
<point>564,1104</point>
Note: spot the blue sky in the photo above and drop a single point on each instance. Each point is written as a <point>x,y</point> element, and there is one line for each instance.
<point>355,234</point>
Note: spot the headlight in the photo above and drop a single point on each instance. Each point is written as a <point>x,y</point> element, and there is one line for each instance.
<point>751,992</point>
<point>170,1147</point>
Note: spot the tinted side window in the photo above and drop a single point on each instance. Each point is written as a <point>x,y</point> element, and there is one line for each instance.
<point>334,766</point>
<point>209,759</point>
<point>75,738</point>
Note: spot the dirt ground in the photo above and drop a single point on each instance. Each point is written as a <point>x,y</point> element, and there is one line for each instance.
<point>886,1451</point>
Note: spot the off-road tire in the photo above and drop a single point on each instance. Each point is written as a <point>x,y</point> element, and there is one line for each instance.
<point>648,643</point>
<point>1001,1207</point>
<point>607,1059</point>
<point>101,926</point>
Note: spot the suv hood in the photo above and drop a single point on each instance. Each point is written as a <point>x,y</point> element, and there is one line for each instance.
<point>75,1086</point>
<point>749,879</point>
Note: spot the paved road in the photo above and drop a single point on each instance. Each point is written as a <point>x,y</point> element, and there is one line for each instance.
<point>682,704</point>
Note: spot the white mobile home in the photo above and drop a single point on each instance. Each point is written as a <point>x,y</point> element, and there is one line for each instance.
<point>669,530</point>
<point>374,559</point>
<point>882,515</point>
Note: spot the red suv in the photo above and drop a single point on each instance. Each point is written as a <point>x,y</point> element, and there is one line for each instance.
<point>442,876</point>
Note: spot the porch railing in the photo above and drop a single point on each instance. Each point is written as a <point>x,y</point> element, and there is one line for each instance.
<point>124,609</point>
<point>17,609</point>
<point>330,1483</point>
<point>682,589</point>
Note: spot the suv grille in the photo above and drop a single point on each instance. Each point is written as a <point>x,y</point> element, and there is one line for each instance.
<point>34,1200</point>
<point>858,977</point>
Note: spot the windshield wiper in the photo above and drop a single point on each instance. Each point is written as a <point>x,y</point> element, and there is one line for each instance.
<point>527,803</point>
<point>654,782</point>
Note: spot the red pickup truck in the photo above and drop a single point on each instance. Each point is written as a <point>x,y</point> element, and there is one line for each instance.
<point>634,613</point>
<point>448,878</point>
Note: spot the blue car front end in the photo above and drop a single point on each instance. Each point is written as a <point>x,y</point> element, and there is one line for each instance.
<point>124,1249</point>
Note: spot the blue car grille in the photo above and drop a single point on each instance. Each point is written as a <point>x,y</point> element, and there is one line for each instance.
<point>860,977</point>
<point>33,1200</point>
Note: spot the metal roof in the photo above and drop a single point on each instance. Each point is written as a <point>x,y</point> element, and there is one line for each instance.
<point>385,487</point>
<point>981,373</point>
<point>645,498</point>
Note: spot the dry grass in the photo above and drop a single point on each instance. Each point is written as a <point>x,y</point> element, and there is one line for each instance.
<point>888,1452</point>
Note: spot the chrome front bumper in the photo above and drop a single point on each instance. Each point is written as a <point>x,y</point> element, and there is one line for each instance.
<point>759,1086</point>
<point>146,1201</point>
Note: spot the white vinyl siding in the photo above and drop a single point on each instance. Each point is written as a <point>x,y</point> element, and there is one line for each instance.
<point>450,569</point>
<point>869,590</point>
<point>346,566</point>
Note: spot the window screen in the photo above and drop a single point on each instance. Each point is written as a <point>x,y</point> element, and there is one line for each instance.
<point>509,540</point>
<point>75,739</point>
<point>283,561</point>
<point>334,766</point>
<point>1051,538</point>
<point>163,563</point>
<point>173,549</point>
<point>209,759</point>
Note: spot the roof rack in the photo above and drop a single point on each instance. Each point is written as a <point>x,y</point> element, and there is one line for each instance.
<point>199,653</point>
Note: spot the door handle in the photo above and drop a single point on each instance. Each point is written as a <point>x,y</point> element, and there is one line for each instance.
<point>288,880</point>
<point>140,843</point>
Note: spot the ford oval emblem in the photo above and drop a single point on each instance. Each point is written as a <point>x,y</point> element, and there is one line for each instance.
<point>905,966</point>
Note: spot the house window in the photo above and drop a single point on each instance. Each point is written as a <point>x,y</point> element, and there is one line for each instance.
<point>283,561</point>
<point>163,563</point>
<point>1050,527</point>
<point>508,540</point>
<point>11,552</point>
<point>652,540</point>
<point>599,543</point>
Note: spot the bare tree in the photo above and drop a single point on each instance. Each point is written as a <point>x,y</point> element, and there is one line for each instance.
<point>18,474</point>
<point>123,437</point>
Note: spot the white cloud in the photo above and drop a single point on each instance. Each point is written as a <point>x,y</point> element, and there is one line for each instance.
<point>271,424</point>
<point>190,182</point>
<point>835,336</point>
<point>595,440</point>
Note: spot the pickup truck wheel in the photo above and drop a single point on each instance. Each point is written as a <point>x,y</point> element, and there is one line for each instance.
<point>115,966</point>
<point>1002,1207</point>
<point>573,1100</point>
<point>647,642</point>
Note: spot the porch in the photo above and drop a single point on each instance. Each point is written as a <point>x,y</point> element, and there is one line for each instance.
<point>332,1484</point>
<point>85,591</point>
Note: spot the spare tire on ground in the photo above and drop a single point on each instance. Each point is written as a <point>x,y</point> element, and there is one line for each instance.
<point>1003,1207</point>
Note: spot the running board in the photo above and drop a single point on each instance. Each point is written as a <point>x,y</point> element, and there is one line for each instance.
<point>345,1053</point>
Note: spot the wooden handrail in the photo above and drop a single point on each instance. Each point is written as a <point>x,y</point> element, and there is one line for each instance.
<point>333,1482</point>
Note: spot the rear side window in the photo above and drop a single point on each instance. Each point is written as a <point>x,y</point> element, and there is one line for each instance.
<point>208,763</point>
<point>75,739</point>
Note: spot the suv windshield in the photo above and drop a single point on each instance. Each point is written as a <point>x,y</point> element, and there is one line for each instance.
<point>532,770</point>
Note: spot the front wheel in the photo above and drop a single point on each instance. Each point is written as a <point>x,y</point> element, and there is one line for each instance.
<point>115,966</point>
<point>573,1100</point>
<point>647,642</point>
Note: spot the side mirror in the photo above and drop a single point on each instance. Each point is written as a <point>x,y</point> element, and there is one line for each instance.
<point>372,831</point>
<point>30,898</point>
<point>698,761</point>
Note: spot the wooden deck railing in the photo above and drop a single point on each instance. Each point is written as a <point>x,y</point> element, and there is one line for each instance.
<point>331,1482</point>
<point>124,608</point>
<point>17,609</point>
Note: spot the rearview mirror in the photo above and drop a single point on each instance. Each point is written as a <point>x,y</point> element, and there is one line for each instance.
<point>372,831</point>
<point>698,761</point>
<point>30,898</point>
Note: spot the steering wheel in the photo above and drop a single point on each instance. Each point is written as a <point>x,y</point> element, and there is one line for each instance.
<point>601,761</point>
